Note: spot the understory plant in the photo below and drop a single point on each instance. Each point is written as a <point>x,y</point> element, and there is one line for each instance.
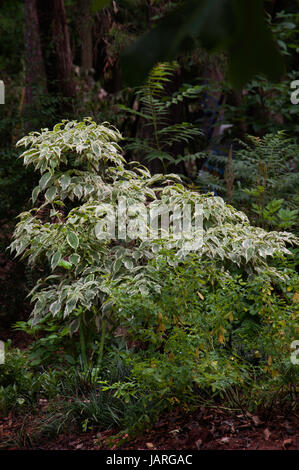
<point>21,386</point>
<point>65,238</point>
<point>262,178</point>
<point>203,331</point>
<point>159,138</point>
<point>56,399</point>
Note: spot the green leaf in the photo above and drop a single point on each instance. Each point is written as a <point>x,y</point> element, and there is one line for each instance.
<point>249,253</point>
<point>74,326</point>
<point>75,258</point>
<point>99,4</point>
<point>64,264</point>
<point>128,264</point>
<point>55,260</point>
<point>55,307</point>
<point>50,194</point>
<point>132,111</point>
<point>64,181</point>
<point>70,359</point>
<point>45,180</point>
<point>96,149</point>
<point>70,305</point>
<point>72,240</point>
<point>35,193</point>
<point>235,26</point>
<point>78,191</point>
<point>107,307</point>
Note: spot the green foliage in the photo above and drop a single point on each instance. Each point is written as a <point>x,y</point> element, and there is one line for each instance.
<point>57,399</point>
<point>155,110</point>
<point>80,405</point>
<point>20,386</point>
<point>234,26</point>
<point>193,325</point>
<point>156,288</point>
<point>136,326</point>
<point>52,344</point>
<point>262,170</point>
<point>201,331</point>
<point>265,106</point>
<point>11,36</point>
<point>285,31</point>
<point>270,162</point>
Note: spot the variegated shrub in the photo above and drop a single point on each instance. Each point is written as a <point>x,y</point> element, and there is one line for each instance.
<point>81,169</point>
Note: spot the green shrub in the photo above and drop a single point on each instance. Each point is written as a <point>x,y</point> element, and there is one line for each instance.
<point>263,176</point>
<point>201,331</point>
<point>82,169</point>
<point>19,386</point>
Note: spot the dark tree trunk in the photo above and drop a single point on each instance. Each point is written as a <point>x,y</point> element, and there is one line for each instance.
<point>106,64</point>
<point>34,66</point>
<point>85,32</point>
<point>56,47</point>
<point>61,40</point>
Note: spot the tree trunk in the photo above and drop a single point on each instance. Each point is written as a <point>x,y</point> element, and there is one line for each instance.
<point>61,40</point>
<point>85,32</point>
<point>35,77</point>
<point>56,47</point>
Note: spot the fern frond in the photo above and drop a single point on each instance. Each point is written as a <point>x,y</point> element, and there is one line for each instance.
<point>180,132</point>
<point>208,182</point>
<point>158,77</point>
<point>185,92</point>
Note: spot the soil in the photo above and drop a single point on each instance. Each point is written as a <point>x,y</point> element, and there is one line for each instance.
<point>205,429</point>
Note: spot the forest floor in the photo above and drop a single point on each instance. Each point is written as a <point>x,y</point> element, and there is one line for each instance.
<point>205,429</point>
<point>211,428</point>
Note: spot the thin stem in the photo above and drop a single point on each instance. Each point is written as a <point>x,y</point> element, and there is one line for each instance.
<point>101,348</point>
<point>83,345</point>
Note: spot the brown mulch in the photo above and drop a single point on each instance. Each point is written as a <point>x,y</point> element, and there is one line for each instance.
<point>205,429</point>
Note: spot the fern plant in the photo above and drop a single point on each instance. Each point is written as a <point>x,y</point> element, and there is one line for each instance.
<point>262,178</point>
<point>155,111</point>
<point>81,171</point>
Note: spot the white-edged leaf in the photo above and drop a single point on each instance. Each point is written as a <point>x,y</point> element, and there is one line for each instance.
<point>55,307</point>
<point>72,240</point>
<point>64,181</point>
<point>45,180</point>
<point>75,258</point>
<point>35,193</point>
<point>55,259</point>
<point>78,191</point>
<point>74,326</point>
<point>50,194</point>
<point>96,149</point>
<point>70,305</point>
<point>128,264</point>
